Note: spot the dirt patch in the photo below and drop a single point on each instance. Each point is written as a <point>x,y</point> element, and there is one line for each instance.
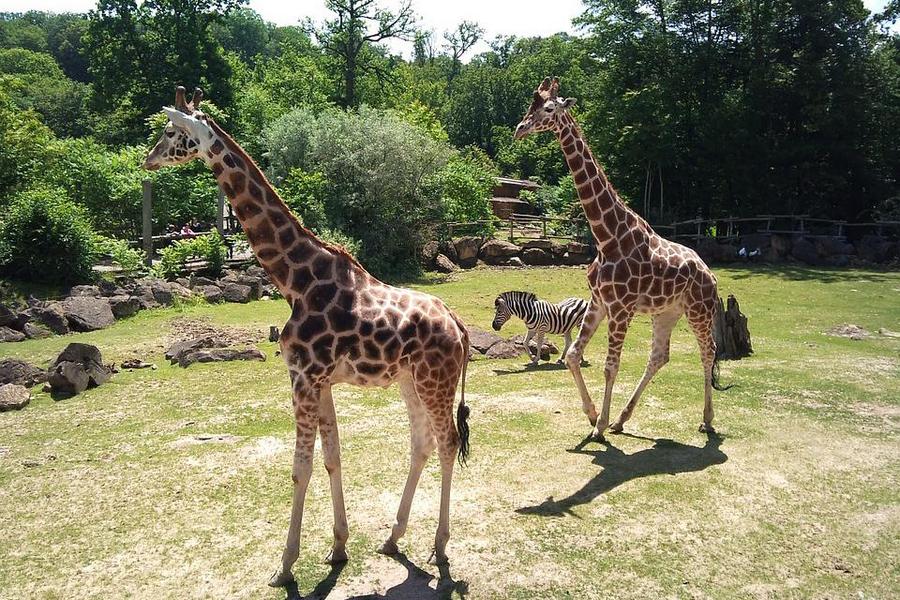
<point>187,328</point>
<point>849,330</point>
<point>205,438</point>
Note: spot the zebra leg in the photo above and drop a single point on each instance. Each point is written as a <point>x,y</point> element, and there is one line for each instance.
<point>528,337</point>
<point>537,348</point>
<point>562,355</point>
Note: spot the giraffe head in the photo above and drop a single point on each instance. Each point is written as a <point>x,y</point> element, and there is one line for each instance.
<point>186,134</point>
<point>546,110</point>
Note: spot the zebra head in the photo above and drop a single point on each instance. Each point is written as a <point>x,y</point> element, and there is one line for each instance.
<point>508,304</point>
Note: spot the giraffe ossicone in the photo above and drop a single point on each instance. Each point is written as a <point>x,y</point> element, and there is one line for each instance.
<point>635,271</point>
<point>346,326</point>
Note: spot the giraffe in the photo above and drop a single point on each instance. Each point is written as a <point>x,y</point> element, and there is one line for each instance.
<point>345,327</point>
<point>635,271</point>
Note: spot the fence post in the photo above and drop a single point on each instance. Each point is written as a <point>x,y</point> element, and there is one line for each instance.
<point>510,229</point>
<point>147,213</point>
<point>220,213</point>
<point>544,223</point>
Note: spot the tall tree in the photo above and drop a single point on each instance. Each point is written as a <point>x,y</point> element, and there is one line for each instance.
<point>458,42</point>
<point>350,38</point>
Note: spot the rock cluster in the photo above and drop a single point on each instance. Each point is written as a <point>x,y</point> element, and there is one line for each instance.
<point>77,368</point>
<point>820,251</point>
<point>491,345</point>
<point>209,348</point>
<point>93,307</point>
<point>466,252</point>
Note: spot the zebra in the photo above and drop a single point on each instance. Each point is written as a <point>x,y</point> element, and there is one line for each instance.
<point>540,317</point>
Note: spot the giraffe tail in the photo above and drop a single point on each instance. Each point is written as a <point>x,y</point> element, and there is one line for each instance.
<point>715,377</point>
<point>462,412</point>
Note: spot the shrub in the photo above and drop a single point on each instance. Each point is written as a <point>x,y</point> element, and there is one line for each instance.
<point>464,186</point>
<point>304,193</point>
<point>209,247</point>
<point>45,237</point>
<point>131,260</point>
<point>26,146</point>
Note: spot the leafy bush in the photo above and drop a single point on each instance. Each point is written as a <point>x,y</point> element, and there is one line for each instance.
<point>131,260</point>
<point>304,193</point>
<point>45,237</point>
<point>209,247</point>
<point>464,185</point>
<point>333,236</point>
<point>533,156</point>
<point>26,146</point>
<point>556,200</point>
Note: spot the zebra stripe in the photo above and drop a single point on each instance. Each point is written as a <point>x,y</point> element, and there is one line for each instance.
<point>539,315</point>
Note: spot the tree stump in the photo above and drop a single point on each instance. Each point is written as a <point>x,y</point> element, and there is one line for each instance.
<point>730,331</point>
<point>274,333</point>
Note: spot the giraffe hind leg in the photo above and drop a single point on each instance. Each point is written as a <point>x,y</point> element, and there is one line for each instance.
<point>702,326</point>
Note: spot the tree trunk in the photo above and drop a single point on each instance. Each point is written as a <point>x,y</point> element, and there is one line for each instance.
<point>730,331</point>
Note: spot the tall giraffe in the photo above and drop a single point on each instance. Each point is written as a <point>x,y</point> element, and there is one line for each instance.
<point>345,327</point>
<point>636,271</point>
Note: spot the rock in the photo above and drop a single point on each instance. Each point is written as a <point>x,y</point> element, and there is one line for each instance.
<point>77,368</point>
<point>578,248</point>
<point>87,314</point>
<point>87,291</point>
<point>444,264</point>
<point>136,363</point>
<point>543,244</point>
<point>162,293</point>
<point>124,306</point>
<point>13,370</point>
<point>875,248</point>
<point>547,347</point>
<point>13,397</point>
<point>8,334</point>
<point>496,252</point>
<point>179,290</point>
<point>504,349</point>
<point>254,283</point>
<point>235,292</point>
<point>197,281</point>
<point>183,282</point>
<point>537,256</point>
<point>781,245</point>
<point>838,260</point>
<point>557,249</point>
<point>430,253</point>
<point>35,332</point>
<point>109,288</point>
<point>257,271</point>
<point>144,293</point>
<point>805,251</point>
<point>7,317</point>
<point>449,250</point>
<point>211,293</point>
<point>177,349</point>
<point>515,261</point>
<point>53,317</point>
<point>220,354</point>
<point>482,340</point>
<point>829,246</point>
<point>571,258</point>
<point>467,251</point>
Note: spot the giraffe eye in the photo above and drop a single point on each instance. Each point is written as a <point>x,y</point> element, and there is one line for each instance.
<point>548,108</point>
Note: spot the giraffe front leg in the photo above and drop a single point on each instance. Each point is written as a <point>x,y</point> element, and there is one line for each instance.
<point>331,452</point>
<point>618,326</point>
<point>592,319</point>
<point>306,411</point>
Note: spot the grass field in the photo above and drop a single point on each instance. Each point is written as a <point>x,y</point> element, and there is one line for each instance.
<point>112,495</point>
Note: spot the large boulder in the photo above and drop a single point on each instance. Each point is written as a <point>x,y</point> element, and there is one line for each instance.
<point>805,251</point>
<point>205,355</point>
<point>8,334</point>
<point>481,340</point>
<point>88,291</point>
<point>210,293</point>
<point>87,314</point>
<point>543,244</point>
<point>13,397</point>
<point>178,349</point>
<point>8,318</point>
<point>13,370</point>
<point>109,288</point>
<point>235,292</point>
<point>829,246</point>
<point>124,306</point>
<point>537,256</point>
<point>467,250</point>
<point>53,316</point>
<point>34,331</point>
<point>143,291</point>
<point>515,261</point>
<point>254,283</point>
<point>448,249</point>
<point>430,253</point>
<point>77,368</point>
<point>162,292</point>
<point>198,281</point>
<point>781,246</point>
<point>504,349</point>
<point>875,248</point>
<point>444,264</point>
<point>497,252</point>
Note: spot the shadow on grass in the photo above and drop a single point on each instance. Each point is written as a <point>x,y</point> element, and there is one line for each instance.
<point>416,585</point>
<point>528,368</point>
<point>665,457</point>
<point>806,273</point>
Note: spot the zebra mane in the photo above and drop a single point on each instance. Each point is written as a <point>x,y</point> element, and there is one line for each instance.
<point>522,296</point>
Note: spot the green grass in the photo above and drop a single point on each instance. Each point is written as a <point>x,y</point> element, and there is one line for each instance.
<point>105,495</point>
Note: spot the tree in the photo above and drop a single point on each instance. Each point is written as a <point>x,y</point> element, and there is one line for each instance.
<point>460,41</point>
<point>350,37</point>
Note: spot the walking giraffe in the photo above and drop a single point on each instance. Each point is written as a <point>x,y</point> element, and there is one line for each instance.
<point>345,327</point>
<point>636,271</point>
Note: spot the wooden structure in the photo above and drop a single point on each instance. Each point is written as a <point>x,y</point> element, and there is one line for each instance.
<point>506,202</point>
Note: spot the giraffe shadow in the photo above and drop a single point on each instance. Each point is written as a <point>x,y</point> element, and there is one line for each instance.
<point>417,585</point>
<point>665,457</point>
<point>531,368</point>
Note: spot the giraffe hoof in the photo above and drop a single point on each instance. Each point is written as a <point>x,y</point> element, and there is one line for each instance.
<point>615,428</point>
<point>438,559</point>
<point>597,436</point>
<point>336,556</point>
<point>388,548</point>
<point>706,428</point>
<point>280,578</point>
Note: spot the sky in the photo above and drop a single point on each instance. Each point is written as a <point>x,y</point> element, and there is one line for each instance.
<point>522,18</point>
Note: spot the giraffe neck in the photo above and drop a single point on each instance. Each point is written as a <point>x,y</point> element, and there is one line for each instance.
<point>602,206</point>
<point>289,252</point>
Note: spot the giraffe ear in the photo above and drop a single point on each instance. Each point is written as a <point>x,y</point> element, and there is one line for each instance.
<point>177,117</point>
<point>568,103</point>
<point>198,97</point>
<point>554,87</point>
<point>180,102</point>
<point>545,85</point>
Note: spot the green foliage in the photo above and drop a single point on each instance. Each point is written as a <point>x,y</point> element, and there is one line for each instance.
<point>45,237</point>
<point>336,237</point>
<point>210,248</point>
<point>532,157</point>
<point>130,260</point>
<point>25,147</point>
<point>464,185</point>
<point>304,194</point>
